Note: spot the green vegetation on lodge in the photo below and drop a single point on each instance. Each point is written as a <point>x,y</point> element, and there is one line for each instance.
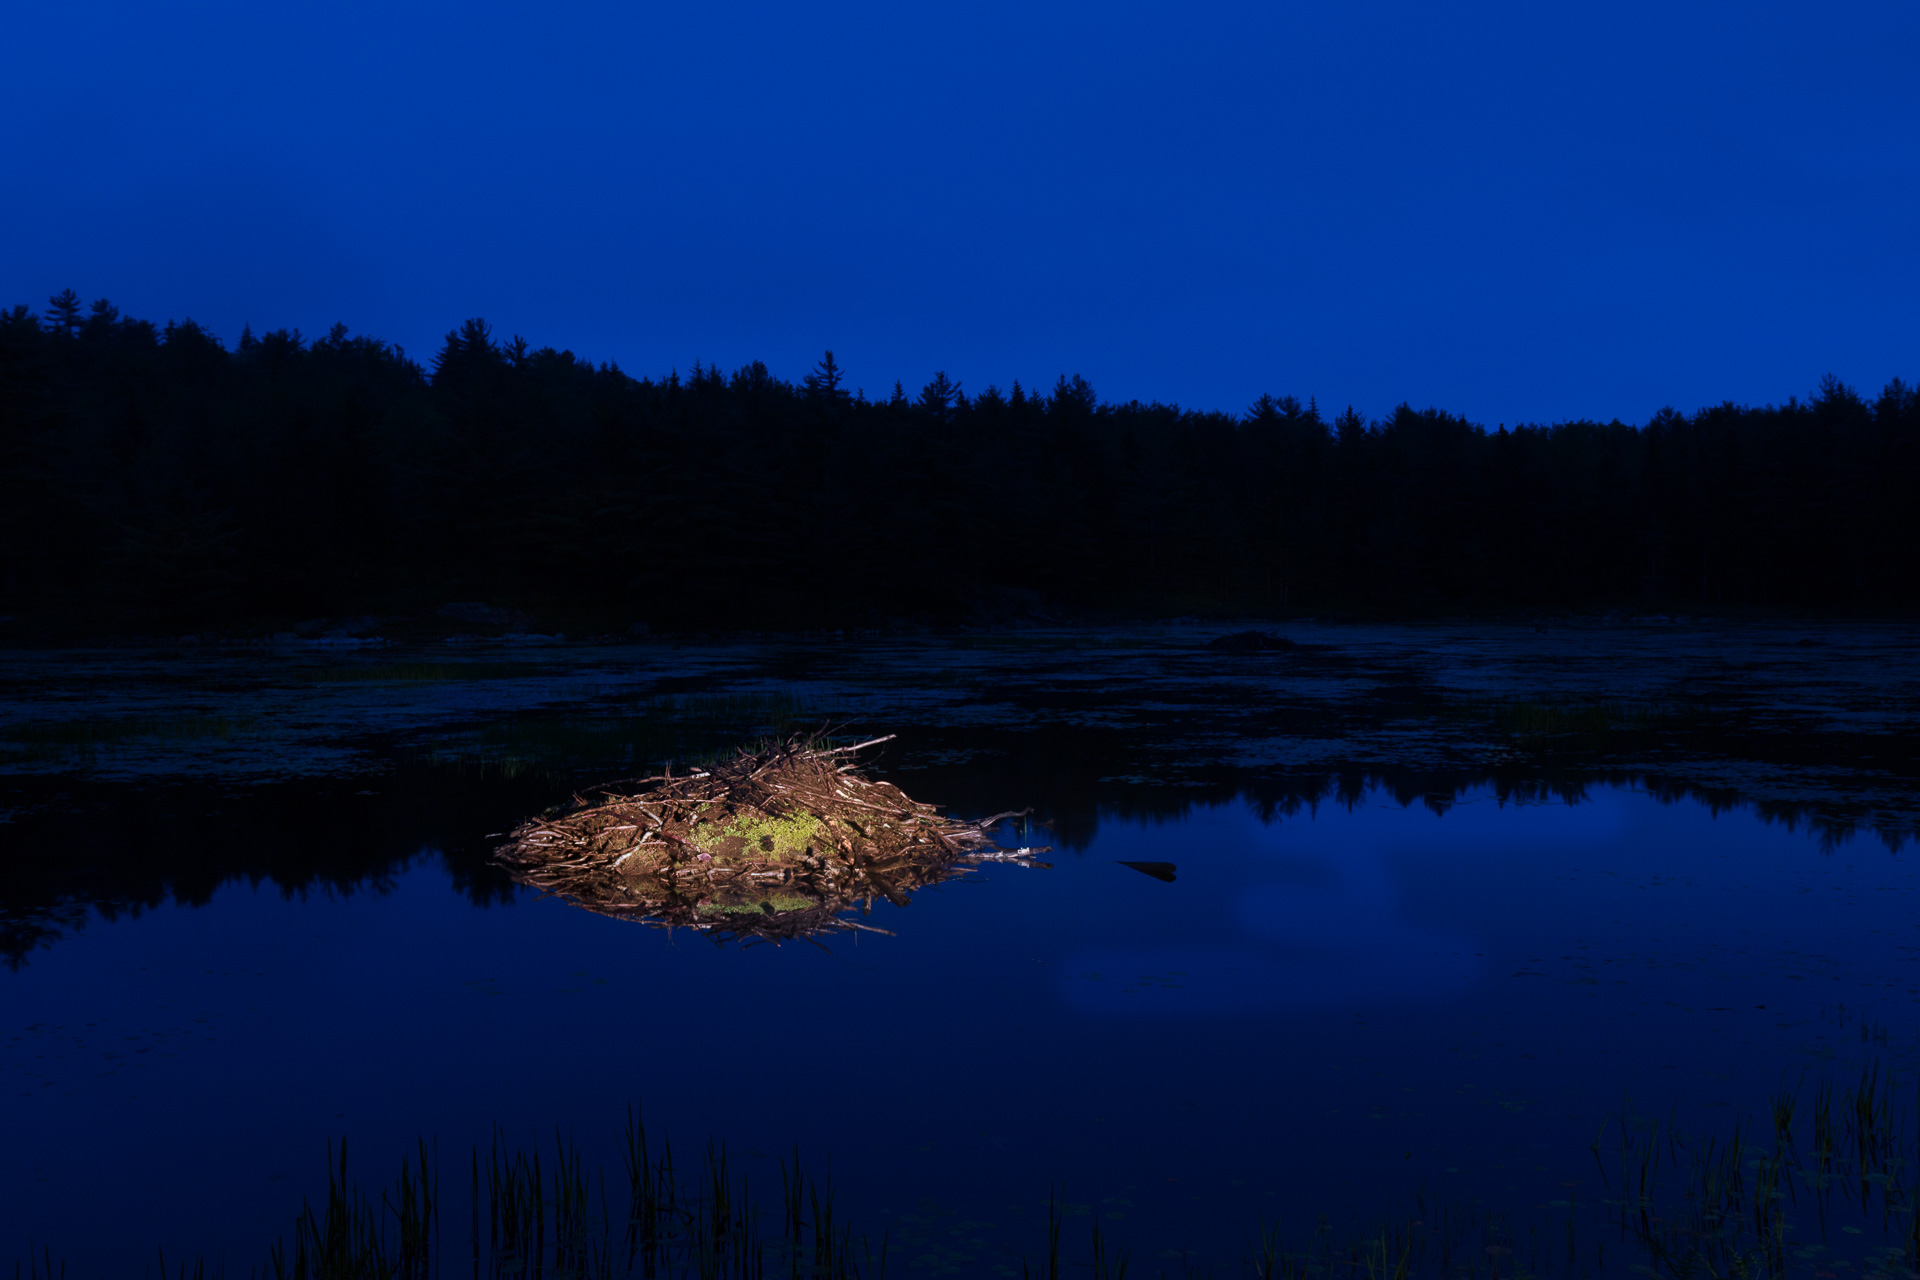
<point>760,835</point>
<point>769,904</point>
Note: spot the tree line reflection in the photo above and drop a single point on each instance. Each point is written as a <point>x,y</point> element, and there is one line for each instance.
<point>77,852</point>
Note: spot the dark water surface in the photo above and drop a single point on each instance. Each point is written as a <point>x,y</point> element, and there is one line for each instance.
<point>1408,944</point>
<point>1320,1013</point>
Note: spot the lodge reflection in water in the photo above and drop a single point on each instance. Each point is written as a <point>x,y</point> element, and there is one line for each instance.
<point>787,842</point>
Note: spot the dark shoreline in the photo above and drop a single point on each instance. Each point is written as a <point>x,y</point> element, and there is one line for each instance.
<point>431,627</point>
<point>368,754</point>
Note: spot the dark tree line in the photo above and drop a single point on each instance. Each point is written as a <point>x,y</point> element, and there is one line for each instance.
<point>151,477</point>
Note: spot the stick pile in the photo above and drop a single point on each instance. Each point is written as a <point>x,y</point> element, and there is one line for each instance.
<point>782,843</point>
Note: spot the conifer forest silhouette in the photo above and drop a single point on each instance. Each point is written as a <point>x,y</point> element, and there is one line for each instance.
<point>154,477</point>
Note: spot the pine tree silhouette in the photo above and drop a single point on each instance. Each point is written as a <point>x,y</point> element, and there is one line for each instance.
<point>63,314</point>
<point>823,384</point>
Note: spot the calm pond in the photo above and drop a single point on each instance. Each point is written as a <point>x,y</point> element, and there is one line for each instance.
<point>1356,996</point>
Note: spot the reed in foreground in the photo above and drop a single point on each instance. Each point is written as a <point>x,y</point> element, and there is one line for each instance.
<point>1826,1189</point>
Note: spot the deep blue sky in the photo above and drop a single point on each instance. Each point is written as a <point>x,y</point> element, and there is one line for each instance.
<point>1515,211</point>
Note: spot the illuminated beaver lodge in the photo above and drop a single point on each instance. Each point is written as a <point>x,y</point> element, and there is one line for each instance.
<point>786,842</point>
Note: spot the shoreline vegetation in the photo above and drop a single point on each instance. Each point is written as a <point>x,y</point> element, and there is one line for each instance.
<point>152,480</point>
<point>1822,1183</point>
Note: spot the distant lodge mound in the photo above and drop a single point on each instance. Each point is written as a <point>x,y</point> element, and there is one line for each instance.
<point>786,842</point>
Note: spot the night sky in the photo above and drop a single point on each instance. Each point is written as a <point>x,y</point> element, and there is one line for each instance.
<point>1520,212</point>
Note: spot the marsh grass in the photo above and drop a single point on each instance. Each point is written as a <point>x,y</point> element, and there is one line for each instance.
<point>353,1236</point>
<point>644,732</point>
<point>1826,1191</point>
<point>419,672</point>
<point>85,739</point>
<point>1837,1193</point>
<point>529,1214</point>
<point>532,1215</point>
<point>1544,719</point>
<point>1453,1240</point>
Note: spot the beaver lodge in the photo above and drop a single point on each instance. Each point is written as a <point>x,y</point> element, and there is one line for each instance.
<point>786,842</point>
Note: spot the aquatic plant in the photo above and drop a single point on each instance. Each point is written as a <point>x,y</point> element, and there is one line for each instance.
<point>82,739</point>
<point>528,1217</point>
<point>1834,1194</point>
<point>418,672</point>
<point>646,731</point>
<point>1533,719</point>
<point>352,1236</point>
<point>1731,1205</point>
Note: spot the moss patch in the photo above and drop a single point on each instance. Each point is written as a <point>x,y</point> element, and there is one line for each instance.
<point>777,902</point>
<point>760,837</point>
